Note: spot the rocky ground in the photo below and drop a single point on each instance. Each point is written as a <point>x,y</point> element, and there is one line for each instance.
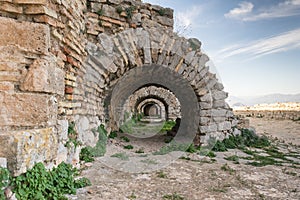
<point>132,174</point>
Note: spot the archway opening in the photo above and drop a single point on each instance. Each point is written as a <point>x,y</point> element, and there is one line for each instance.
<point>151,110</point>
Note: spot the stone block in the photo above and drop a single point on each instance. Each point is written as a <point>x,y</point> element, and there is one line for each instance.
<point>20,34</point>
<point>25,148</point>
<point>27,110</point>
<point>218,112</point>
<point>62,130</point>
<point>223,126</point>
<point>44,76</point>
<point>11,8</point>
<point>3,163</point>
<point>220,95</point>
<point>42,2</point>
<point>39,9</point>
<point>6,86</point>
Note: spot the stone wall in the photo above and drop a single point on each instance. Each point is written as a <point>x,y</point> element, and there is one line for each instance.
<point>61,59</point>
<point>269,114</point>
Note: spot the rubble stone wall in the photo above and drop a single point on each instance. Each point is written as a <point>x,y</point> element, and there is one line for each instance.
<point>60,59</point>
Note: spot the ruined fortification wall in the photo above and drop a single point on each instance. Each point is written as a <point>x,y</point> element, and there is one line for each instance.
<point>60,59</point>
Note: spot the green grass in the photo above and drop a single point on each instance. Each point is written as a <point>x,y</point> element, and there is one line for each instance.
<point>121,156</point>
<point>173,196</point>
<point>149,162</point>
<point>233,158</point>
<point>227,168</point>
<point>125,139</point>
<point>161,174</point>
<point>168,125</point>
<point>172,147</point>
<point>128,146</point>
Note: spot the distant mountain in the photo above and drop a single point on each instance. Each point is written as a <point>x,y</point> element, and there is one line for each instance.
<point>271,98</point>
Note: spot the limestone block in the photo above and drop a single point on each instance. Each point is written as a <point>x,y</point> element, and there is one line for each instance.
<point>219,104</point>
<point>204,120</point>
<point>208,129</point>
<point>27,109</point>
<point>224,126</point>
<point>220,95</point>
<point>20,34</point>
<point>206,98</point>
<point>218,112</point>
<point>34,10</point>
<point>205,105</point>
<point>42,2</point>
<point>25,148</point>
<point>3,162</point>
<point>6,86</point>
<point>8,7</point>
<point>236,132</point>
<point>44,76</point>
<point>62,130</point>
<point>62,153</point>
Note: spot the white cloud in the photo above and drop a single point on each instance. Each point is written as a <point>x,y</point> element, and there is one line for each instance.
<point>279,43</point>
<point>244,9</point>
<point>284,9</point>
<point>184,20</point>
<point>189,16</point>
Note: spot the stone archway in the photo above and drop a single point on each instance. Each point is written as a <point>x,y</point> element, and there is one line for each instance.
<point>122,63</point>
<point>170,103</point>
<point>151,110</point>
<point>146,107</point>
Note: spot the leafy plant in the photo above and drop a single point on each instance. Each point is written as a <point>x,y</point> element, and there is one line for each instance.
<point>119,9</point>
<point>211,154</point>
<point>100,148</point>
<point>38,183</point>
<point>162,12</point>
<point>100,12</point>
<point>246,139</point>
<point>73,136</point>
<point>86,155</point>
<point>113,135</point>
<point>125,139</point>
<point>4,181</point>
<point>128,147</point>
<point>168,125</point>
<point>129,11</point>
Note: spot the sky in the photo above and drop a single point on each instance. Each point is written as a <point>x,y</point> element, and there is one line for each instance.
<point>254,45</point>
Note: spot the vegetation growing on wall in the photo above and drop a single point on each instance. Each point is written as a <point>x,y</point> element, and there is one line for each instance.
<point>87,153</point>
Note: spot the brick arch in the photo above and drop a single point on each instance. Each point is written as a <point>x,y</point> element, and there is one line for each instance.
<point>112,57</point>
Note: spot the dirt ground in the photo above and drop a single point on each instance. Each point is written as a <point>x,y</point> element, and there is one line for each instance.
<point>286,130</point>
<point>193,177</point>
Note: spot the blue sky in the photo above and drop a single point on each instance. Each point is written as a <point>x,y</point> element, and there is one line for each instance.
<point>255,44</point>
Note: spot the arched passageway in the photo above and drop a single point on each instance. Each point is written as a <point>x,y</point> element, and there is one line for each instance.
<point>139,58</point>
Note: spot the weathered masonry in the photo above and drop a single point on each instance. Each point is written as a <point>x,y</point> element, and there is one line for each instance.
<point>82,61</point>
